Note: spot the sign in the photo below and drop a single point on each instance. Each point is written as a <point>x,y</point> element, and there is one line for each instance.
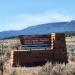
<point>36,41</point>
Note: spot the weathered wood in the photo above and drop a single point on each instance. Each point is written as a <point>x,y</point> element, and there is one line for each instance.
<point>56,51</point>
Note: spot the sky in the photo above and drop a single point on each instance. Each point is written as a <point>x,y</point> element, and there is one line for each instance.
<point>20,14</point>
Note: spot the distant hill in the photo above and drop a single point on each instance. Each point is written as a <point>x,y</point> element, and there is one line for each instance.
<point>42,29</point>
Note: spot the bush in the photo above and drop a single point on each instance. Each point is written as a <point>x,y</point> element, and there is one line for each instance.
<point>46,69</point>
<point>72,58</point>
<point>57,69</point>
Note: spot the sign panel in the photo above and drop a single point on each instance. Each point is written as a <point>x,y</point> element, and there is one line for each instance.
<point>36,41</point>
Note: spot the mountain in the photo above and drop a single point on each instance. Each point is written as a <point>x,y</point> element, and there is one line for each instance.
<point>42,29</point>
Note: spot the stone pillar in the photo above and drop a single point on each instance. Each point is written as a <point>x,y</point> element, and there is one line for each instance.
<point>58,44</point>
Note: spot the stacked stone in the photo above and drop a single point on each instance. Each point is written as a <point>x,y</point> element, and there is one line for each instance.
<point>59,47</point>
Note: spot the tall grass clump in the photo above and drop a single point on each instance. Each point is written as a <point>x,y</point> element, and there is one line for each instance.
<point>57,69</point>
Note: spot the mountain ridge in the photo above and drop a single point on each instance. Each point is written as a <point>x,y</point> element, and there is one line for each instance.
<point>41,29</point>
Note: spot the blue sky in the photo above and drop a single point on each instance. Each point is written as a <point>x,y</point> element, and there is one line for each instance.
<point>20,14</point>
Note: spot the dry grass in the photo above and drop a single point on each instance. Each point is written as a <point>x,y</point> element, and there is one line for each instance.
<point>57,69</point>
<point>24,71</point>
<point>47,69</point>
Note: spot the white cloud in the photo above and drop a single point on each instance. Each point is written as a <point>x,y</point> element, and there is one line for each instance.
<point>26,20</point>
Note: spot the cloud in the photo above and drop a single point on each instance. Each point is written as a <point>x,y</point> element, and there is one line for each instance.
<point>25,20</point>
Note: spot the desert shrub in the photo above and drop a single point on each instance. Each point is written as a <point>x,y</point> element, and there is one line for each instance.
<point>46,69</point>
<point>18,71</point>
<point>72,58</point>
<point>70,69</point>
<point>57,69</point>
<point>14,72</point>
